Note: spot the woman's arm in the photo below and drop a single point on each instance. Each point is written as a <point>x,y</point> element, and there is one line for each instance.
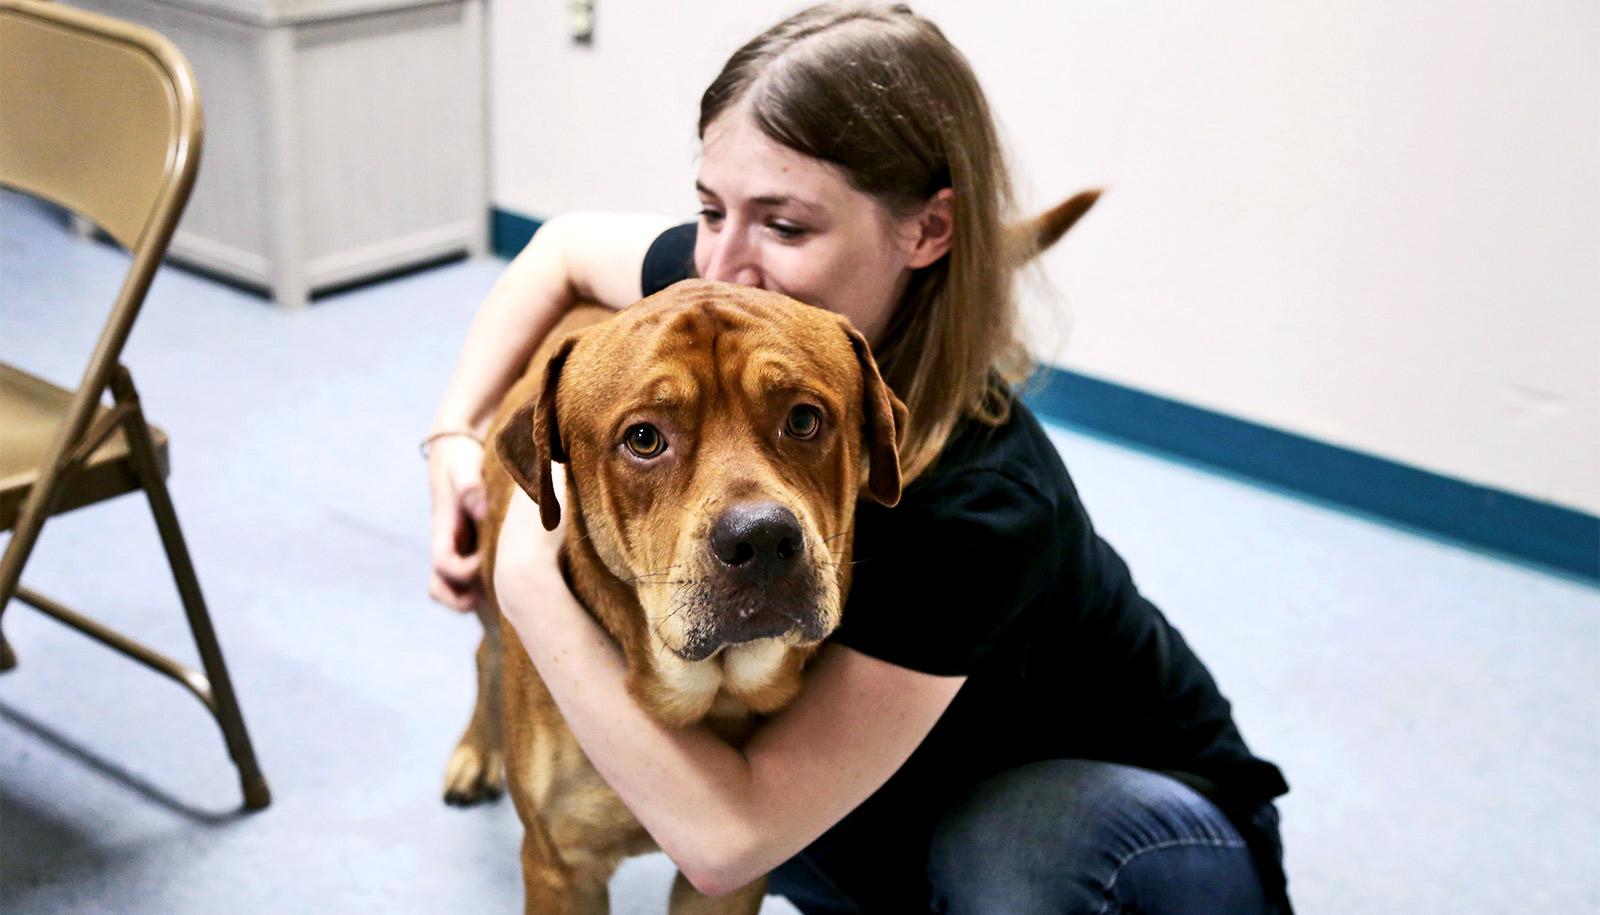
<point>593,257</point>
<point>724,815</point>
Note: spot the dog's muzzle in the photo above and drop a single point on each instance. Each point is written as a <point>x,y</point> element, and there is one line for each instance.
<point>762,584</point>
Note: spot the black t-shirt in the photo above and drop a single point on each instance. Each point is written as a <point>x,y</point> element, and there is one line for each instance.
<point>989,568</point>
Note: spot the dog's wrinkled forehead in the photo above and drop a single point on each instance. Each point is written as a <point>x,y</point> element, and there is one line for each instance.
<point>682,338</point>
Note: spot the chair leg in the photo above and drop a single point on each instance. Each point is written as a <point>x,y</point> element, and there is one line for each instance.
<point>229,717</point>
<point>23,537</point>
<point>35,510</point>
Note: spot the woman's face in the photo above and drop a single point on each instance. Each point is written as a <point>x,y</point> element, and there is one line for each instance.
<point>775,218</point>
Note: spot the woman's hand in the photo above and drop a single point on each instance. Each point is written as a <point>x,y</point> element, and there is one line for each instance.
<point>455,482</point>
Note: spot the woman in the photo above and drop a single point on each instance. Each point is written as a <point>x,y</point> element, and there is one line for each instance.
<point>1001,723</point>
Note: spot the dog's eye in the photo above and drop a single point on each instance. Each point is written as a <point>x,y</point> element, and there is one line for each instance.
<point>803,422</point>
<point>646,440</point>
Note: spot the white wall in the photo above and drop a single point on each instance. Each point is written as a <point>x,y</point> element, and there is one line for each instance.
<point>1376,223</point>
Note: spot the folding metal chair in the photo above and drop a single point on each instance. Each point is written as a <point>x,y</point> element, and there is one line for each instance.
<point>103,118</point>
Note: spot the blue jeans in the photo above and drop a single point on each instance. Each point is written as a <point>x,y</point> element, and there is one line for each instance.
<point>1070,836</point>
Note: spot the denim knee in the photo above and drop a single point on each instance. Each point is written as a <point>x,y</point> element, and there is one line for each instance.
<point>1092,837</point>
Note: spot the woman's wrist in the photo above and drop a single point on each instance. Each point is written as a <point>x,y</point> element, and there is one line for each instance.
<point>470,417</point>
<point>527,571</point>
<point>534,579</point>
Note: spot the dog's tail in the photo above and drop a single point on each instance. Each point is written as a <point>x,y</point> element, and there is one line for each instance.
<point>1027,239</point>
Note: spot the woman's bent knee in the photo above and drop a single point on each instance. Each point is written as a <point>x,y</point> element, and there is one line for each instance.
<point>1083,836</point>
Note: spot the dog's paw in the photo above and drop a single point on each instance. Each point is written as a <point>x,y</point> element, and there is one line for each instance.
<point>474,774</point>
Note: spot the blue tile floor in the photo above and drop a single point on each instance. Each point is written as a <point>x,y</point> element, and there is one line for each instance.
<point>1437,711</point>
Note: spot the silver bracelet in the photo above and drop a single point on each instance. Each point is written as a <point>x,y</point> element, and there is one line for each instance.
<point>432,437</point>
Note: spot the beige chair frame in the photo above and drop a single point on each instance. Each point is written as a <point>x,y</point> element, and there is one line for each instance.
<point>103,118</point>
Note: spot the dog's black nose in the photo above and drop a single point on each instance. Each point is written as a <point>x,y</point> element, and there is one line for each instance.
<point>761,540</point>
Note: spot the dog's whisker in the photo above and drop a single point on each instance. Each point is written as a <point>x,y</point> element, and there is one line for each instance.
<point>646,577</point>
<point>676,565</point>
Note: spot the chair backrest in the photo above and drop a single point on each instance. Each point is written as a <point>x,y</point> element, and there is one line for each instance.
<point>97,115</point>
<point>102,117</point>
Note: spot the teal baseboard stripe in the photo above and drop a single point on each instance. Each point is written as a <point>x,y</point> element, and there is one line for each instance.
<point>509,232</point>
<point>1515,526</point>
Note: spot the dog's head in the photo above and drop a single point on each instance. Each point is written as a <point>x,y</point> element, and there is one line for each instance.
<point>715,438</point>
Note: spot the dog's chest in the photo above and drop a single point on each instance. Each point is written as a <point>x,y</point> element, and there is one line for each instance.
<point>751,668</point>
<point>726,686</point>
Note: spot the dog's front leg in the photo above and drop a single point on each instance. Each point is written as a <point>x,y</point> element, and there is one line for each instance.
<point>686,900</point>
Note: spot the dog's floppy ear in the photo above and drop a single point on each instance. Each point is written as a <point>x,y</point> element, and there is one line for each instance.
<point>884,423</point>
<point>531,439</point>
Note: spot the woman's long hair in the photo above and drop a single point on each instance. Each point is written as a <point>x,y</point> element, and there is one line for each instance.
<point>880,93</point>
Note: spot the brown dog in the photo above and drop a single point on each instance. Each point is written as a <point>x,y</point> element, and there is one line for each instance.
<point>717,438</point>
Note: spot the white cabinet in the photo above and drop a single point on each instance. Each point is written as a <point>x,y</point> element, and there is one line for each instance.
<point>343,139</point>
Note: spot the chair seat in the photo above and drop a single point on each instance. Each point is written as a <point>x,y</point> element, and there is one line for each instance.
<point>31,410</point>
